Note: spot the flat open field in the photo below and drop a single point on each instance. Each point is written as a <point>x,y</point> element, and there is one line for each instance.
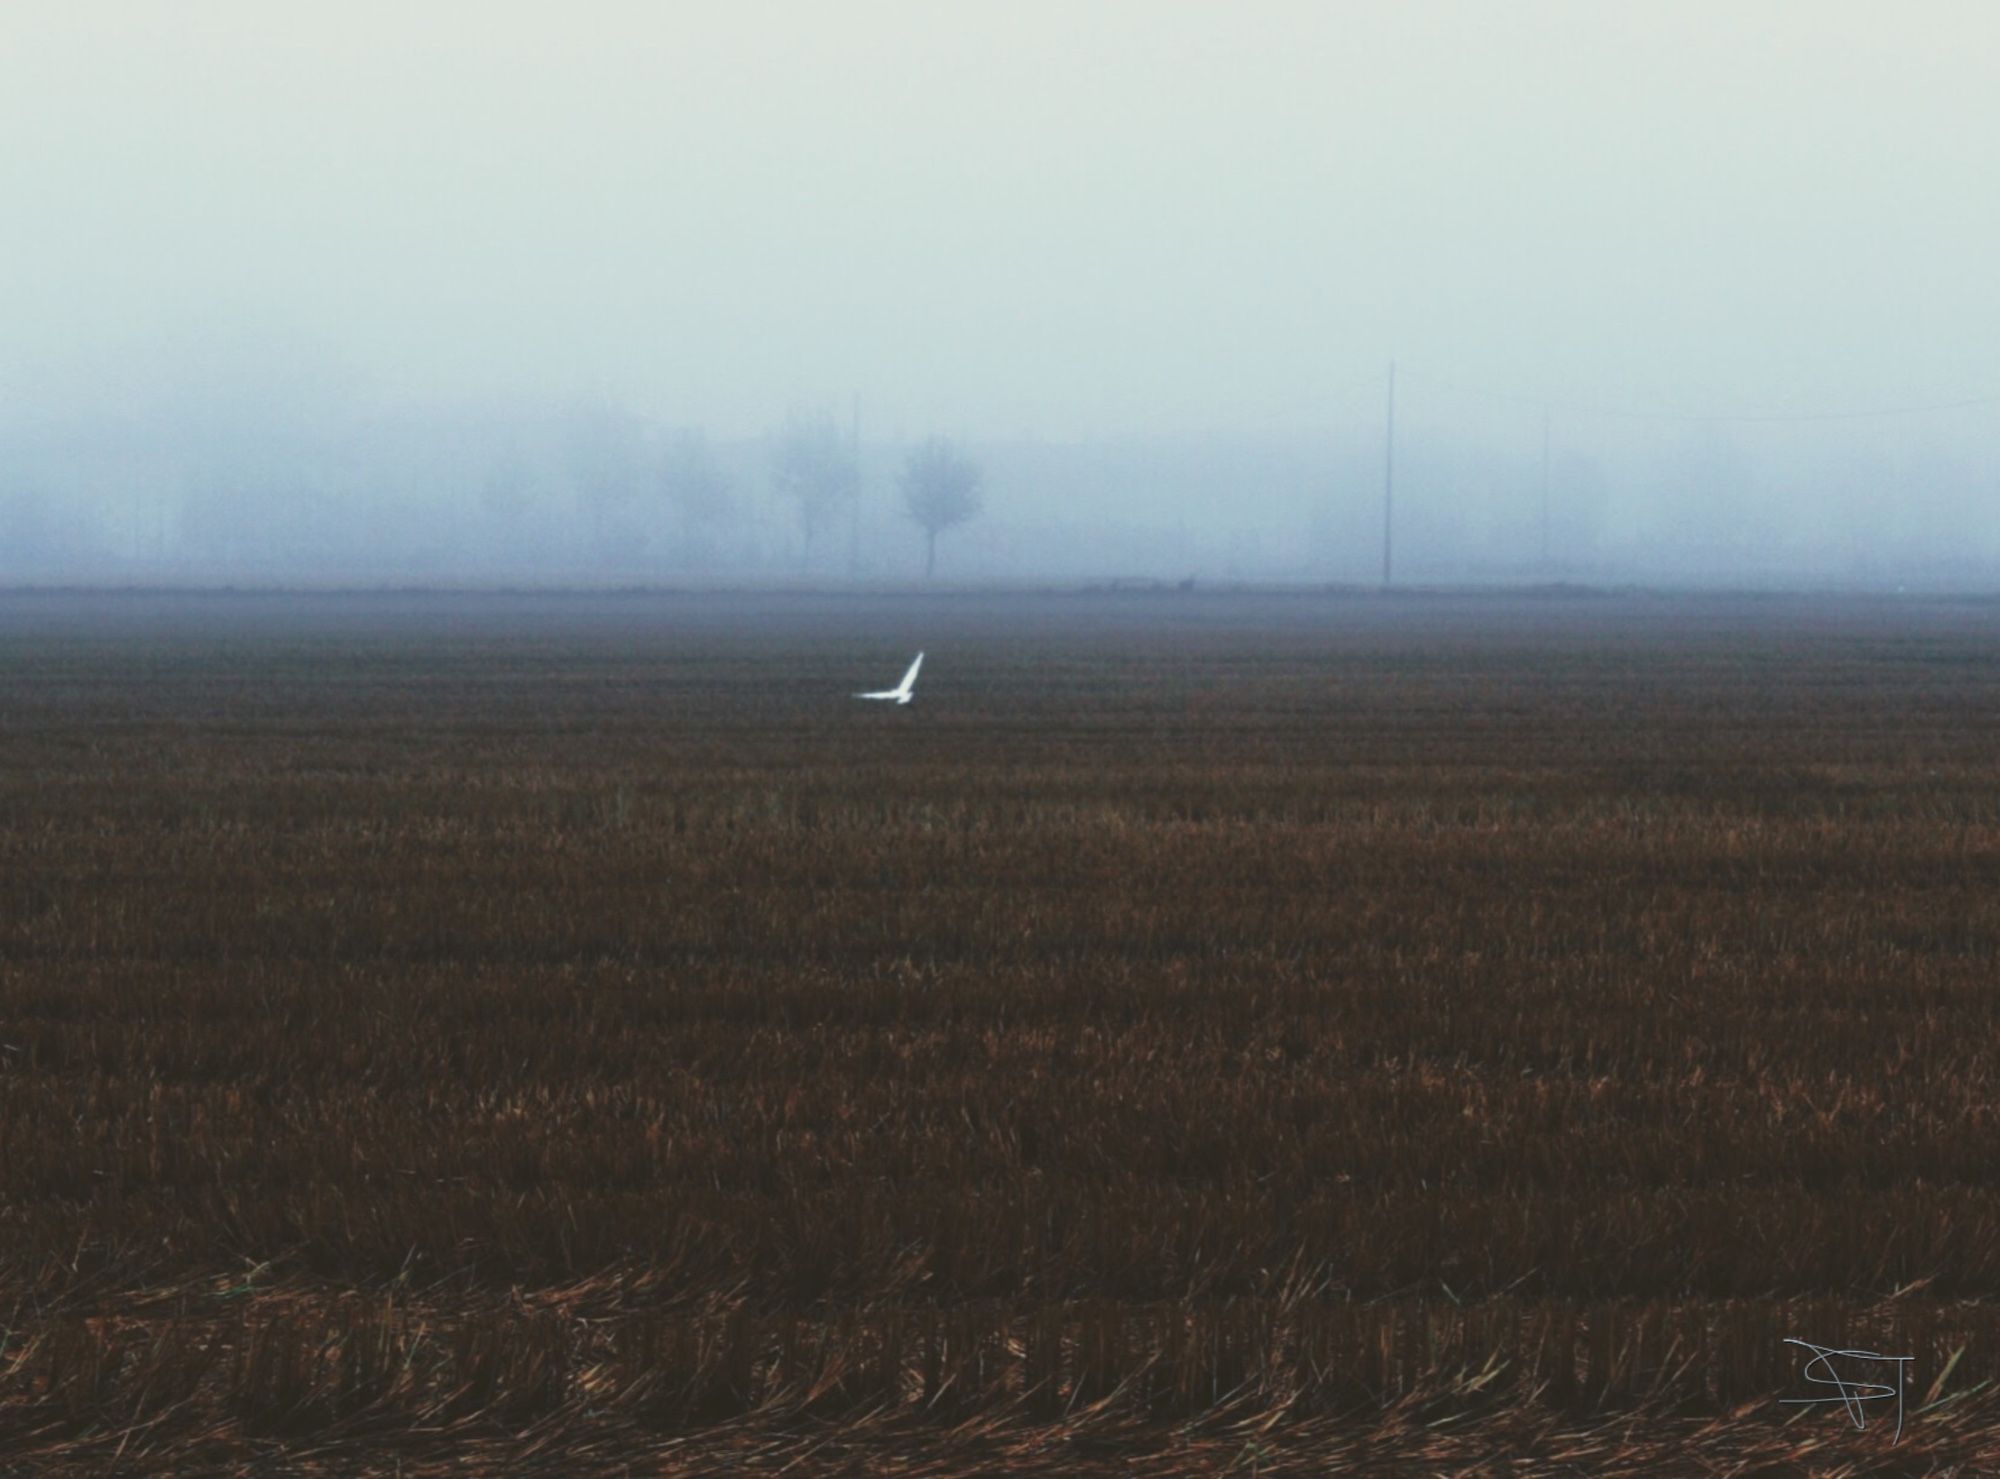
<point>1295,1033</point>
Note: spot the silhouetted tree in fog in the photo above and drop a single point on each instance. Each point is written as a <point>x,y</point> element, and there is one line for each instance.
<point>696,490</point>
<point>605,450</point>
<point>505,489</point>
<point>815,471</point>
<point>940,492</point>
<point>41,538</point>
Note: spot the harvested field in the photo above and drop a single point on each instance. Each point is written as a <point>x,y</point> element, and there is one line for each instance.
<point>1284,1033</point>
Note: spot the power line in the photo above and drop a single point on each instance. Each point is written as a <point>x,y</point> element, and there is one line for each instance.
<point>1249,412</point>
<point>1633,413</point>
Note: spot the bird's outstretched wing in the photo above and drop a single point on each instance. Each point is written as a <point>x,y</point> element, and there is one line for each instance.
<point>900,694</point>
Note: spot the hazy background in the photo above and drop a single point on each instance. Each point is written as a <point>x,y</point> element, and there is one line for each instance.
<point>463,292</point>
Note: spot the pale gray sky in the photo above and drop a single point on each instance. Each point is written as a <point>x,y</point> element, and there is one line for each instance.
<point>1044,215</point>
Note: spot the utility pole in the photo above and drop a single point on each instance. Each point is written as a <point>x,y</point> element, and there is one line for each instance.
<point>1545,487</point>
<point>1389,477</point>
<point>854,497</point>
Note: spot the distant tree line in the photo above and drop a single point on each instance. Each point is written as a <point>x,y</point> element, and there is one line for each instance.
<point>313,488</point>
<point>814,471</point>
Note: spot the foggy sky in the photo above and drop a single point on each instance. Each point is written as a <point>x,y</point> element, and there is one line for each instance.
<point>278,274</point>
<point>1048,217</point>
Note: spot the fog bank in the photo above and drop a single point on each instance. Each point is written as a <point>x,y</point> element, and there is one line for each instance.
<point>499,292</point>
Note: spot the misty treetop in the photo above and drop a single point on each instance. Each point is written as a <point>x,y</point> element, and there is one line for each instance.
<point>818,471</point>
<point>941,490</point>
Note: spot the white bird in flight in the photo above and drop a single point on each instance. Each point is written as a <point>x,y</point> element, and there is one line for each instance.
<point>901,693</point>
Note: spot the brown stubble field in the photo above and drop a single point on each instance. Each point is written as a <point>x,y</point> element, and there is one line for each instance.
<point>1270,1034</point>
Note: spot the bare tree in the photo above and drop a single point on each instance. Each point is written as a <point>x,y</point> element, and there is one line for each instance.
<point>940,492</point>
<point>815,470</point>
<point>697,491</point>
<point>504,491</point>
<point>604,447</point>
